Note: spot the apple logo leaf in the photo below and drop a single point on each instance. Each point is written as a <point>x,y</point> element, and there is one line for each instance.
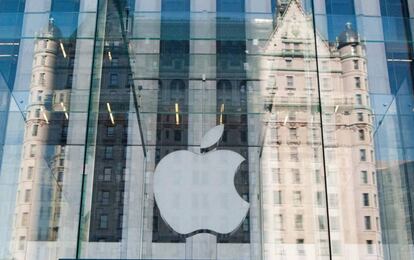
<point>212,137</point>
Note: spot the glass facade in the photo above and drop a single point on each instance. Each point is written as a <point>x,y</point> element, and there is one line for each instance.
<point>206,129</point>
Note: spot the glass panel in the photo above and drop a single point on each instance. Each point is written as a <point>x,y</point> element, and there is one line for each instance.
<point>219,129</point>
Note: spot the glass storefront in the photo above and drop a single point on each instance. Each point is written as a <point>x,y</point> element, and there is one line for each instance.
<point>206,129</point>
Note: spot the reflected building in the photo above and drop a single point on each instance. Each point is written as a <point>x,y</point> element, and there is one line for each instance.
<point>151,78</point>
<point>295,215</point>
<point>37,211</point>
<point>395,185</point>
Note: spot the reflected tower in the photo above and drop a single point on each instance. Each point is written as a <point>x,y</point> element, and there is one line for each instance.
<point>37,210</point>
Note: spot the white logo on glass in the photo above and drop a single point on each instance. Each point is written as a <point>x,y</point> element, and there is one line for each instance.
<point>197,192</point>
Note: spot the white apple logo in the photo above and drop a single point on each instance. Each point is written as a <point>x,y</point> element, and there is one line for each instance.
<point>197,192</point>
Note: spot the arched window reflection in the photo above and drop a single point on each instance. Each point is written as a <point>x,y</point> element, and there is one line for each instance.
<point>177,91</point>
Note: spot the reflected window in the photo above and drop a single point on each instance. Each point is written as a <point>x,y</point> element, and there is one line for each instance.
<point>22,240</point>
<point>362,155</point>
<point>27,195</point>
<point>361,134</point>
<point>299,222</point>
<point>367,222</point>
<point>110,130</point>
<point>39,96</point>
<point>319,199</point>
<point>289,81</point>
<point>107,173</point>
<point>115,61</point>
<point>297,198</point>
<point>358,98</point>
<point>103,221</point>
<point>32,152</point>
<point>294,154</point>
<point>119,196</point>
<point>277,178</point>
<point>353,50</point>
<point>316,154</point>
<point>60,177</point>
<point>296,176</point>
<point>177,135</point>
<point>292,116</point>
<point>365,199</point>
<point>37,113</point>
<point>321,222</point>
<point>300,246</point>
<point>35,130</point>
<point>25,219</point>
<point>104,197</point>
<point>30,170</point>
<point>364,177</point>
<point>113,80</point>
<point>42,78</point>
<point>324,247</point>
<point>360,117</point>
<point>177,88</point>
<point>357,82</point>
<point>277,197</point>
<point>333,200</point>
<point>356,64</point>
<point>109,152</point>
<point>370,247</point>
<point>293,133</point>
<point>317,176</point>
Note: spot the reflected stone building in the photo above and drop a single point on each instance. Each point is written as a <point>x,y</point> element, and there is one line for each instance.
<point>37,212</point>
<point>295,215</point>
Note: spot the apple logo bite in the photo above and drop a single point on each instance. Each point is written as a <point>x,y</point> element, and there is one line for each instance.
<point>196,191</point>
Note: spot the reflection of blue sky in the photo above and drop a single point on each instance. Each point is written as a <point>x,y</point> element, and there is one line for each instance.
<point>338,14</point>
<point>392,101</point>
<point>66,22</point>
<point>65,14</point>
